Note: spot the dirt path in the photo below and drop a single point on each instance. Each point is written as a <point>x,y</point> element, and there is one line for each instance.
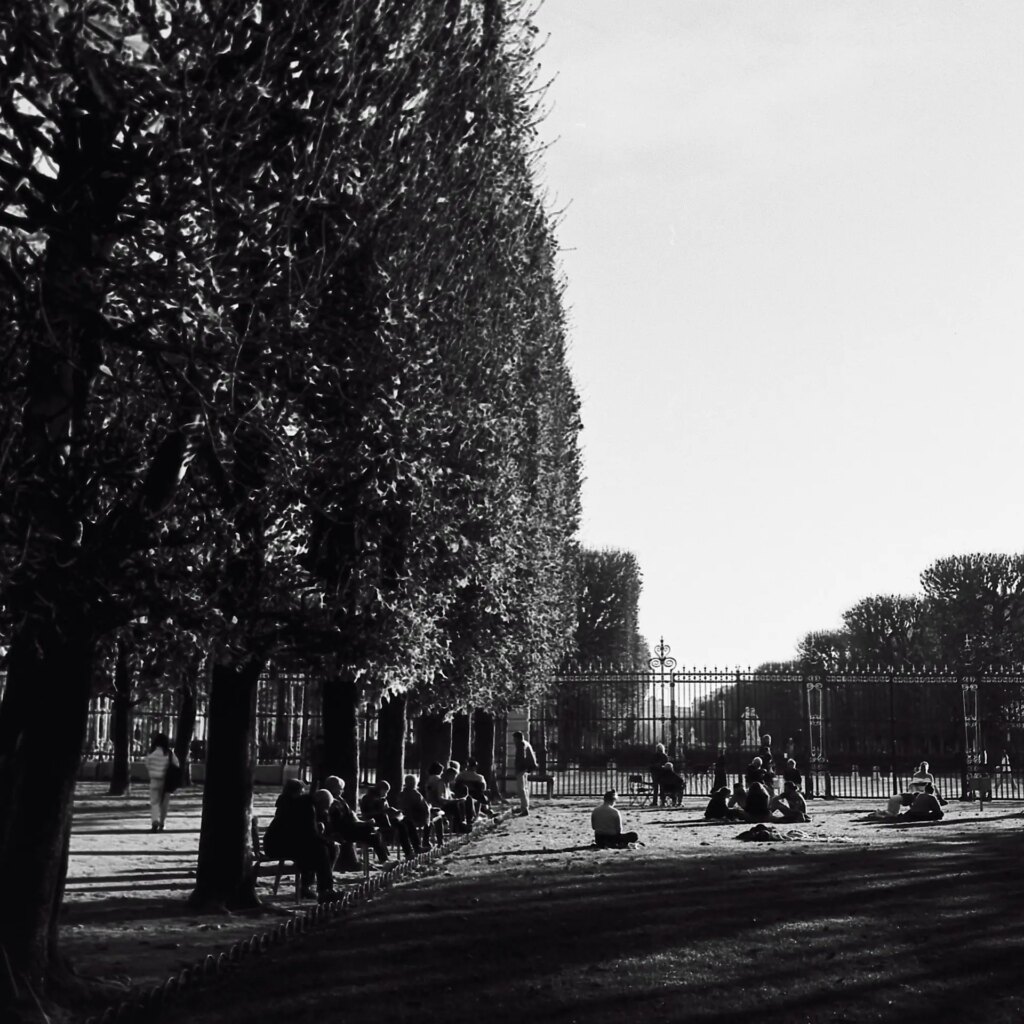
<point>919,924</point>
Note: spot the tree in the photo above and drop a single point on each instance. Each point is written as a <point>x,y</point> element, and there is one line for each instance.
<point>608,610</point>
<point>889,631</point>
<point>976,607</point>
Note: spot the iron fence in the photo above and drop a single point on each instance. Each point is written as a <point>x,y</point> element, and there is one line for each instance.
<point>852,734</point>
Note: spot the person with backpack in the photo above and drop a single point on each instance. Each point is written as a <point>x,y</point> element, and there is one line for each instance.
<point>164,777</point>
<point>525,762</point>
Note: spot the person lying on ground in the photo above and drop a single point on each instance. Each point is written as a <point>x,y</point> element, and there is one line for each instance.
<point>293,835</point>
<point>925,807</point>
<point>606,822</point>
<point>374,806</point>
<point>792,774</point>
<point>344,827</point>
<point>789,805</point>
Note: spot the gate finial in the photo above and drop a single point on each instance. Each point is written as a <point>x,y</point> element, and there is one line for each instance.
<point>661,662</point>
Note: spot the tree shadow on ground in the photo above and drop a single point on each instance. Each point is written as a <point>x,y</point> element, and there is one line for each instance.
<point>919,931</point>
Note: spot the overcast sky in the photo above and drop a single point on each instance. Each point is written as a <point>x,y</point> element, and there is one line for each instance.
<point>794,242</point>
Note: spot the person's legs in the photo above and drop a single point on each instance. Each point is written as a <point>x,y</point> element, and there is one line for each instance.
<point>165,802</point>
<point>619,842</point>
<point>156,796</point>
<point>523,791</point>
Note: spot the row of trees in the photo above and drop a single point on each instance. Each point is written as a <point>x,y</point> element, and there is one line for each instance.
<point>283,376</point>
<point>969,616</point>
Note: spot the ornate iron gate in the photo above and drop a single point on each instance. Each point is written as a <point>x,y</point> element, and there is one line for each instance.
<point>852,734</point>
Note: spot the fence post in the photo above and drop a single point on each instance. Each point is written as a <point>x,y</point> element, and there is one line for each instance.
<point>896,788</point>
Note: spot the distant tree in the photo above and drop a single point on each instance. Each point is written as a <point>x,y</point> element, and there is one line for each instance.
<point>608,603</point>
<point>823,650</point>
<point>890,630</point>
<point>976,605</point>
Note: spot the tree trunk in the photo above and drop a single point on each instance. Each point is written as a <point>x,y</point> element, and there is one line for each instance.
<point>38,773</point>
<point>461,737</point>
<point>340,717</point>
<point>435,741</point>
<point>121,725</point>
<point>483,746</point>
<point>391,741</point>
<point>224,873</point>
<point>184,731</point>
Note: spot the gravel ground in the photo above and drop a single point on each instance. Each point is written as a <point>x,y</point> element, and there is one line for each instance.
<point>857,921</point>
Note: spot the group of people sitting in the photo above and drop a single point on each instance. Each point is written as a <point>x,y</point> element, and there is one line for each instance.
<point>920,799</point>
<point>757,801</point>
<point>318,830</point>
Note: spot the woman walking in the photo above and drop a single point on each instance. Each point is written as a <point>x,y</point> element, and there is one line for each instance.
<point>159,761</point>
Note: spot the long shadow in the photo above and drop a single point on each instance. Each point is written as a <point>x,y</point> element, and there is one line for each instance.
<point>534,852</point>
<point>936,912</point>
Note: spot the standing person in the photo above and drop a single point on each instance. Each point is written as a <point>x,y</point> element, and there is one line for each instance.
<point>767,761</point>
<point>658,763</point>
<point>606,822</point>
<point>525,762</point>
<point>158,761</point>
<point>720,781</point>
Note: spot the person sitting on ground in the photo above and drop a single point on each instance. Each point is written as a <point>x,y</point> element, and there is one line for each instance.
<point>738,799</point>
<point>374,806</point>
<point>720,808</point>
<point>792,774</point>
<point>720,780</point>
<point>606,822</point>
<point>477,786</point>
<point>754,772</point>
<point>345,828</point>
<point>921,778</point>
<point>758,798</point>
<point>293,835</point>
<point>438,795</point>
<point>925,807</point>
<point>789,804</point>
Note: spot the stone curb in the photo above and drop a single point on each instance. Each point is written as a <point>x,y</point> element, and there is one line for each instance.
<point>213,966</point>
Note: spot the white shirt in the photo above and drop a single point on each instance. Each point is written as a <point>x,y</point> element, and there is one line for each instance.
<point>606,821</point>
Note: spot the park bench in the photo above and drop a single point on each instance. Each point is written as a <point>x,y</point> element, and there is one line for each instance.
<point>263,868</point>
<point>547,780</point>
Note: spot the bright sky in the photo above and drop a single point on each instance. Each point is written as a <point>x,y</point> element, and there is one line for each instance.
<point>794,244</point>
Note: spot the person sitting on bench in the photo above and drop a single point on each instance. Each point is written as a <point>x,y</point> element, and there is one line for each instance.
<point>789,805</point>
<point>415,808</point>
<point>439,795</point>
<point>374,806</point>
<point>477,786</point>
<point>294,835</point>
<point>344,827</point>
<point>606,822</point>
<point>448,777</point>
<point>925,807</point>
<point>670,783</point>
